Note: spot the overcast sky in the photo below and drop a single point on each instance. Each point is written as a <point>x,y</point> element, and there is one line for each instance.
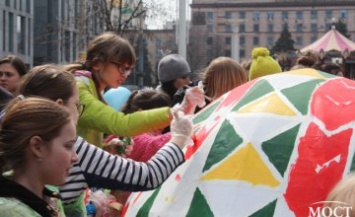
<point>168,12</point>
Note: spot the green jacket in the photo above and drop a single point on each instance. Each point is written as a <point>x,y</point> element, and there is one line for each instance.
<point>99,118</point>
<point>14,207</point>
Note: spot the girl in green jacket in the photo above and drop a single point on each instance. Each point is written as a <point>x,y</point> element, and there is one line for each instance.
<point>109,61</point>
<point>37,137</point>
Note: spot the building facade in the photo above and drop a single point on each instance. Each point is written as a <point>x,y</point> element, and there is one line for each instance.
<point>16,29</point>
<point>62,29</point>
<point>216,23</point>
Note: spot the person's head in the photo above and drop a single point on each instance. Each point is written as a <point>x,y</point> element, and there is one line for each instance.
<point>110,58</point>
<point>306,60</point>
<point>54,83</point>
<point>263,64</point>
<point>222,75</point>
<point>38,135</point>
<point>146,99</point>
<point>343,191</point>
<point>174,70</point>
<point>12,69</point>
<point>330,68</point>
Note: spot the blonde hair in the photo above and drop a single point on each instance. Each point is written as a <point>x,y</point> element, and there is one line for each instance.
<point>222,75</point>
<point>344,191</point>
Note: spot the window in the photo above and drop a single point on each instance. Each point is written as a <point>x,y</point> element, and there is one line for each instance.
<point>255,40</point>
<point>209,54</point>
<point>241,53</point>
<point>29,43</point>
<point>284,15</point>
<point>7,3</point>
<point>256,27</point>
<point>313,27</point>
<point>11,32</point>
<point>209,40</point>
<point>270,28</point>
<point>74,45</point>
<point>158,43</point>
<point>256,15</point>
<point>67,46</point>
<point>270,15</point>
<point>242,15</point>
<point>228,40</point>
<point>314,15</point>
<point>299,15</point>
<point>228,15</point>
<point>241,40</point>
<point>227,53</point>
<point>228,28</point>
<point>299,40</point>
<point>328,26</point>
<point>270,41</point>
<point>4,22</point>
<point>20,32</point>
<point>210,28</point>
<point>313,38</point>
<point>209,15</point>
<point>28,6</point>
<point>242,28</point>
<point>329,14</point>
<point>299,27</point>
<point>343,14</point>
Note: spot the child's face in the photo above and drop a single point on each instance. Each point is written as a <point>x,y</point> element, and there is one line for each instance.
<point>181,82</point>
<point>112,74</point>
<point>59,155</point>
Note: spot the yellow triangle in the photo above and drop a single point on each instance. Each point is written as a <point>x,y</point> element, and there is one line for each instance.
<point>306,71</point>
<point>244,165</point>
<point>269,104</point>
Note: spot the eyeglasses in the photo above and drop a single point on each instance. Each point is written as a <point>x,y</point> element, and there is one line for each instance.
<point>125,71</point>
<point>81,108</point>
<point>6,74</point>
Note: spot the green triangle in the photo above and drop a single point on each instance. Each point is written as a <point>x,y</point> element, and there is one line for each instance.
<point>225,142</point>
<point>267,210</point>
<point>300,94</point>
<point>145,209</point>
<point>204,114</point>
<point>352,167</point>
<point>259,89</point>
<point>327,75</point>
<point>279,149</point>
<point>199,206</point>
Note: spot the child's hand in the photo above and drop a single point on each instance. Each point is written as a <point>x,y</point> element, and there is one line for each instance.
<point>181,128</point>
<point>194,96</point>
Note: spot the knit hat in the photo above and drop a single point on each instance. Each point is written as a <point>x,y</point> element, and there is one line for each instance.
<point>171,67</point>
<point>262,63</point>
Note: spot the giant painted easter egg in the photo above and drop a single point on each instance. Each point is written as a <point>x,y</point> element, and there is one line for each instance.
<point>272,147</point>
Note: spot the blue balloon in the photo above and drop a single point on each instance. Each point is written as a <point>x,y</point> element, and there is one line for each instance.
<point>117,97</point>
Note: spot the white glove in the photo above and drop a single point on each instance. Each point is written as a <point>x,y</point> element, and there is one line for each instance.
<point>181,128</point>
<point>194,96</point>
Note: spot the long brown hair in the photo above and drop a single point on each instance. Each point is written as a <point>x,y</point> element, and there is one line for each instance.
<point>105,47</point>
<point>48,81</point>
<point>25,118</point>
<point>222,75</point>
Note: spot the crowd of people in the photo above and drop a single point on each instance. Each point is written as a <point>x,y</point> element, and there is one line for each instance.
<point>59,137</point>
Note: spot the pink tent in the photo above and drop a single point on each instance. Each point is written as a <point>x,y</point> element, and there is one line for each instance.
<point>332,40</point>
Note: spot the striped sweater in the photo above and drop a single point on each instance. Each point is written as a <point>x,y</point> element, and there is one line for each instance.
<point>97,168</point>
